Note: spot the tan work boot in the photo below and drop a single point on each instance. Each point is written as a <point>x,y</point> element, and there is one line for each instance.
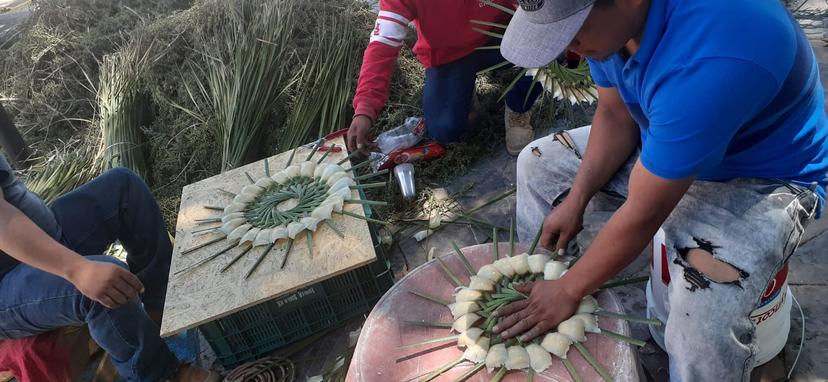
<point>518,130</point>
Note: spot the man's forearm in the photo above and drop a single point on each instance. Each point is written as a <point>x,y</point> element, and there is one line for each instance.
<point>627,233</point>
<point>612,139</point>
<point>23,240</point>
<point>620,241</point>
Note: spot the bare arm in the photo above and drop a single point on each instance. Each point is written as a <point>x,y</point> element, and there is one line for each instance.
<point>23,240</point>
<point>612,139</point>
<point>627,233</point>
<point>629,230</point>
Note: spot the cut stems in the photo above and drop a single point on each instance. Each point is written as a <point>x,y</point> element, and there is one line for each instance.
<point>442,369</point>
<point>621,337</point>
<point>434,299</point>
<point>592,361</point>
<point>463,259</point>
<point>448,272</point>
<point>604,313</point>
<point>571,369</point>
<point>202,245</point>
<point>430,324</point>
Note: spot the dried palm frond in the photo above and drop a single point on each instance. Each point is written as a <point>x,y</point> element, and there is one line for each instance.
<point>244,72</point>
<point>326,83</point>
<point>121,104</point>
<point>61,171</point>
<point>558,79</point>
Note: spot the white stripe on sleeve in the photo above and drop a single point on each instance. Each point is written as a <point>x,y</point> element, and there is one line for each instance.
<point>395,16</point>
<point>390,29</point>
<point>386,41</point>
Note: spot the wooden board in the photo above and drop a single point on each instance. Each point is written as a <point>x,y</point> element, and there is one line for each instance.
<point>204,294</point>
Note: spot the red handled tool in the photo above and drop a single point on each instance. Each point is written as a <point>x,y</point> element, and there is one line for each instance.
<point>430,151</point>
<point>329,137</point>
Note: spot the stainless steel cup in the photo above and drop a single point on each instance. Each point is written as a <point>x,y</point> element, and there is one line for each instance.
<point>404,173</point>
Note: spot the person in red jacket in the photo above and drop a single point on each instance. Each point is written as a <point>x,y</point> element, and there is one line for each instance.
<point>447,47</point>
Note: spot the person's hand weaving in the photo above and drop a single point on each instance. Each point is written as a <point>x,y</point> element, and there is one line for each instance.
<point>561,225</point>
<point>548,304</point>
<point>359,135</point>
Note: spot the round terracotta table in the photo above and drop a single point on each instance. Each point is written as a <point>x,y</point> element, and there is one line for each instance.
<point>380,355</point>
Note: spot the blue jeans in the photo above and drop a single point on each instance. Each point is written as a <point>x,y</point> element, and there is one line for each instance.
<point>115,206</point>
<point>754,225</point>
<point>448,93</point>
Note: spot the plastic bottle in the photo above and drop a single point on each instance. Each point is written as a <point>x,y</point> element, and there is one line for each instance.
<point>403,136</point>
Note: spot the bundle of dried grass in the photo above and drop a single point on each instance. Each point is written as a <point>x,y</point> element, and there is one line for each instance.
<point>121,104</point>
<point>327,81</point>
<point>244,72</point>
<point>62,170</point>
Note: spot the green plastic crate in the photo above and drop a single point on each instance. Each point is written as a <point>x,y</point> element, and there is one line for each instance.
<point>261,329</point>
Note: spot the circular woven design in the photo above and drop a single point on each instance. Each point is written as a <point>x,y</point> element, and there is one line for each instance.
<point>287,203</point>
<point>492,288</point>
<point>267,210</point>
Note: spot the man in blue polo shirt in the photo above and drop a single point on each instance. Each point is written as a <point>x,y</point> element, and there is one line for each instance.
<point>710,124</point>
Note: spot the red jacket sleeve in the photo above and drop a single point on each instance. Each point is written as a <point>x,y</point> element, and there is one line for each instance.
<point>378,61</point>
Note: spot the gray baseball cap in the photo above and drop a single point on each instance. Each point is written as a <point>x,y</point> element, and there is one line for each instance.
<point>541,30</point>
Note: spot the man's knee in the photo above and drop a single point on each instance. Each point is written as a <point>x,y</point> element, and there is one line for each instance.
<point>448,127</point>
<point>700,266</point>
<point>123,175</point>
<point>714,269</point>
<point>542,155</point>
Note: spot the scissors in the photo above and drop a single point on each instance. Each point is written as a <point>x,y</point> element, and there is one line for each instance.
<point>329,137</point>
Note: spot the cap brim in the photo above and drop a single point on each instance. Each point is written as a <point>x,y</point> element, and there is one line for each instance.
<point>530,45</point>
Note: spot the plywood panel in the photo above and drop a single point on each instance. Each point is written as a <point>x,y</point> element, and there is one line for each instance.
<point>205,294</point>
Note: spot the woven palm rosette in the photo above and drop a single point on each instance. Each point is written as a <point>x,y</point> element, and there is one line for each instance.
<point>564,83</point>
<point>293,200</point>
<point>490,288</point>
<point>285,205</point>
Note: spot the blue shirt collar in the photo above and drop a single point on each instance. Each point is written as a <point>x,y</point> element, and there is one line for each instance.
<point>653,31</point>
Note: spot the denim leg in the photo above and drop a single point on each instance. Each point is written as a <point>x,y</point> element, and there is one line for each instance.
<point>33,302</point>
<point>118,206</point>
<point>752,225</point>
<point>448,92</point>
<point>447,101</point>
<point>519,99</point>
<point>544,180</point>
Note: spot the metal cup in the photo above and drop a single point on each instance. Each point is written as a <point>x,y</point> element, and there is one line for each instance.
<point>405,177</point>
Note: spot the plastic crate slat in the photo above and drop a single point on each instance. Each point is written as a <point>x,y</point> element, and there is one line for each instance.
<point>263,328</point>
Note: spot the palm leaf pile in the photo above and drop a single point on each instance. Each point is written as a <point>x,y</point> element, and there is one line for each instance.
<point>122,105</point>
<point>237,80</point>
<point>243,73</point>
<point>120,109</point>
<point>327,82</point>
<point>61,170</point>
<point>572,85</point>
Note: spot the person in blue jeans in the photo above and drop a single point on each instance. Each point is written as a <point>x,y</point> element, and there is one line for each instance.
<point>53,273</point>
<point>447,97</point>
<point>448,41</point>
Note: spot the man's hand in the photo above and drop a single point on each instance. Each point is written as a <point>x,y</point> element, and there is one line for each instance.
<point>359,135</point>
<point>561,225</point>
<point>548,305</point>
<point>106,283</point>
